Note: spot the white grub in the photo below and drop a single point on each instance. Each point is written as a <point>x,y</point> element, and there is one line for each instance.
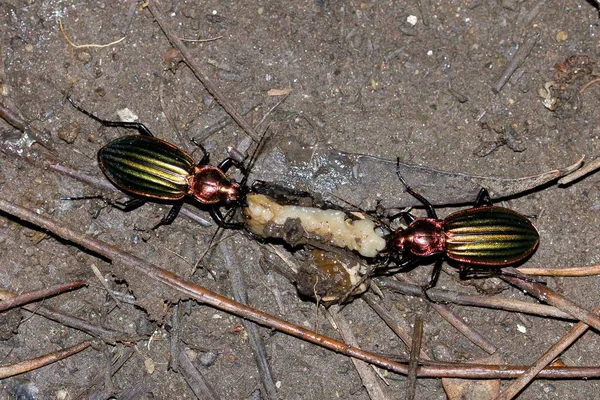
<point>332,226</point>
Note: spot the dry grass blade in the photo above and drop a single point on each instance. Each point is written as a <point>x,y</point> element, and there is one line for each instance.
<point>84,46</point>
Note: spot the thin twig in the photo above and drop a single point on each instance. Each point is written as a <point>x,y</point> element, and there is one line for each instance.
<point>518,59</point>
<point>374,303</point>
<point>424,10</point>
<point>174,346</point>
<point>240,294</point>
<point>460,325</point>
<point>221,123</point>
<point>39,362</point>
<point>368,377</point>
<point>586,169</point>
<point>154,8</point>
<point>413,363</point>
<point>12,118</point>
<point>194,378</point>
<point>116,363</point>
<point>518,384</point>
<point>130,15</point>
<point>586,270</point>
<point>35,295</point>
<point>107,335</point>
<point>547,295</point>
<point>587,85</point>
<point>457,322</point>
<point>447,296</point>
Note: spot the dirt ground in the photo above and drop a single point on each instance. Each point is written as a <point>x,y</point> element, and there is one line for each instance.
<point>411,79</point>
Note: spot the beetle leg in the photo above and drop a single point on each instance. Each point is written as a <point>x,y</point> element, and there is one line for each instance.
<point>405,215</point>
<point>130,204</point>
<point>70,198</point>
<point>215,213</point>
<point>167,219</point>
<point>404,264</point>
<point>428,206</point>
<point>205,154</point>
<point>435,274</point>
<point>483,198</point>
<point>141,128</point>
<point>229,162</point>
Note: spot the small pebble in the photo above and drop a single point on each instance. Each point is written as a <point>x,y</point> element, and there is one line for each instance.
<point>126,115</point>
<point>69,133</point>
<point>83,56</point>
<point>208,358</point>
<point>562,36</point>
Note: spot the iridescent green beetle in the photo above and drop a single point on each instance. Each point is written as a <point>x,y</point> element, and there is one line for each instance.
<point>149,168</point>
<point>485,236</point>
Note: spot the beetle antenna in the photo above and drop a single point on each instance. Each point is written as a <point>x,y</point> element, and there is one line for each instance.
<point>259,147</point>
<point>408,188</point>
<point>428,206</point>
<point>212,244</point>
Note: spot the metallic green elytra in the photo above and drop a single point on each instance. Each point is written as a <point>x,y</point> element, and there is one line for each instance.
<point>492,236</point>
<point>147,166</point>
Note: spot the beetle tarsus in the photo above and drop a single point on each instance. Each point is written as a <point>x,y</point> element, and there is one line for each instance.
<point>230,162</point>
<point>171,215</point>
<point>141,128</point>
<point>483,198</point>
<point>216,215</point>
<point>428,206</point>
<point>205,154</point>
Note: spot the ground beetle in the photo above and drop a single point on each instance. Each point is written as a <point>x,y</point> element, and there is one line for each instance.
<point>484,236</point>
<point>152,169</point>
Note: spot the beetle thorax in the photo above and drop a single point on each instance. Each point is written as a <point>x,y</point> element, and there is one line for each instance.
<point>422,238</point>
<point>209,185</point>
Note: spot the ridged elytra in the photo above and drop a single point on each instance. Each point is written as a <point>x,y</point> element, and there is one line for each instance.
<point>149,168</point>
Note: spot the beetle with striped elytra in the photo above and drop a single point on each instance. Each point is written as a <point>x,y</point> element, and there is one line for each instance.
<point>484,236</point>
<point>148,168</point>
